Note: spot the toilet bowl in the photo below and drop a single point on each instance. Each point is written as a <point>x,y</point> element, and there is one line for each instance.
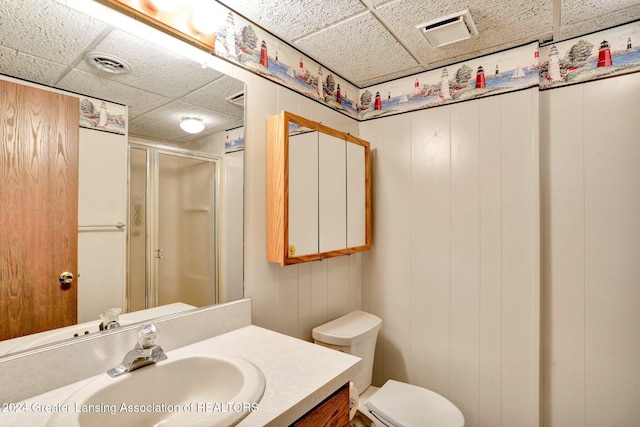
<point>395,404</point>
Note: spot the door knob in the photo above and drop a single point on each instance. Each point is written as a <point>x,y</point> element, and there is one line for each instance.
<point>66,278</point>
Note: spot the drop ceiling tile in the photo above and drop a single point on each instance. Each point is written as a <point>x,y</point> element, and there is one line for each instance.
<point>155,69</point>
<point>213,95</point>
<point>290,19</point>
<point>501,25</point>
<point>139,101</point>
<point>27,67</point>
<point>576,23</point>
<point>155,129</point>
<point>358,49</point>
<point>575,11</point>
<point>60,33</point>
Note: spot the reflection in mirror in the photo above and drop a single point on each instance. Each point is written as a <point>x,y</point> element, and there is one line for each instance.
<point>165,82</point>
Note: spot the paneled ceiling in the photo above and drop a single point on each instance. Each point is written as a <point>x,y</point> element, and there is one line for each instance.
<point>372,41</point>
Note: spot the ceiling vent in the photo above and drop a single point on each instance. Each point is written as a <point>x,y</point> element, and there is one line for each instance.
<point>449,29</point>
<point>108,63</point>
<point>237,99</point>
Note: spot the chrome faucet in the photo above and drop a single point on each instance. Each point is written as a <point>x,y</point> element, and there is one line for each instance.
<point>110,319</point>
<point>145,352</point>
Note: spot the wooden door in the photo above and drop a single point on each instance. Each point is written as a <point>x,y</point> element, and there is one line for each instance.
<point>38,209</point>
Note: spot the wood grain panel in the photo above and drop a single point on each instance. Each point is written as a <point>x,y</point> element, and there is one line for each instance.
<point>333,412</point>
<point>38,207</point>
<point>277,176</point>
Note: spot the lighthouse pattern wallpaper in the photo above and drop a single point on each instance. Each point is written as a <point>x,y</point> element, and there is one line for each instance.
<point>598,55</point>
<point>501,72</point>
<point>102,115</point>
<point>594,56</point>
<point>249,46</point>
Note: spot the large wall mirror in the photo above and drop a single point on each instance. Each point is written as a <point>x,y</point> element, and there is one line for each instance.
<point>47,42</point>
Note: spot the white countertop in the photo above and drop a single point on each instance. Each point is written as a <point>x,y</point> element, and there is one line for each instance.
<point>298,374</point>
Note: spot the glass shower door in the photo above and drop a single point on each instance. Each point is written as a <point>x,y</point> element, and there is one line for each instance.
<point>185,252</point>
<point>173,241</point>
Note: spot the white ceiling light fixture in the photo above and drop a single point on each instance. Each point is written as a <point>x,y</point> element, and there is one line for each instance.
<point>192,125</point>
<point>449,29</point>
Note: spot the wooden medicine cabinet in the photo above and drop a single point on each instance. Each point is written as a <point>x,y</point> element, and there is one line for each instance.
<point>318,191</point>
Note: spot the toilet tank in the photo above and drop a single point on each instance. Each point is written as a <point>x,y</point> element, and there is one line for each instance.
<point>354,333</point>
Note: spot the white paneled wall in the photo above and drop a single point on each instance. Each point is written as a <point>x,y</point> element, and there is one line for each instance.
<point>292,299</point>
<point>454,267</point>
<point>590,181</point>
<point>454,270</point>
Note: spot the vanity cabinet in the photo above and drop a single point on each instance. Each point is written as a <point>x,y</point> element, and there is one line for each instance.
<point>333,411</point>
<point>318,191</point>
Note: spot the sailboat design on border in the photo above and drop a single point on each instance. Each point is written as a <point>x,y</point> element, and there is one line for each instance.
<point>518,73</point>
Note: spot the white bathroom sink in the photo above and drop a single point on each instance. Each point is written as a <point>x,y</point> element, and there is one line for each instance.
<point>200,390</point>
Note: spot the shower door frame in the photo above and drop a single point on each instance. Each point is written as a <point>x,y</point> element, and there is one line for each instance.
<point>153,152</point>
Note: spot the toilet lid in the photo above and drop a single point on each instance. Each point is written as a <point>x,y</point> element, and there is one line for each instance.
<point>406,405</point>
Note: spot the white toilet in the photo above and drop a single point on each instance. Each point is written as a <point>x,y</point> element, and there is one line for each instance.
<point>395,404</point>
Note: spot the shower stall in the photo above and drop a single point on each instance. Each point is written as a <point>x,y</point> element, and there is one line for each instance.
<point>173,217</point>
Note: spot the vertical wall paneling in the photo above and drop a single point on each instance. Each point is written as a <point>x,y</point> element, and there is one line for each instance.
<point>562,236</point>
<point>465,257</point>
<point>591,243</point>
<point>430,248</point>
<point>319,293</point>
<point>287,301</point>
<point>473,254</point>
<point>612,251</point>
<point>260,281</point>
<point>395,177</point>
<point>337,286</point>
<point>391,178</point>
<point>490,315</point>
<point>304,301</point>
<point>520,259</point>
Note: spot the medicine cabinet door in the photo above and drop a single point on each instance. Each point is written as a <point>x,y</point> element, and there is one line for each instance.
<point>332,189</point>
<point>303,194</point>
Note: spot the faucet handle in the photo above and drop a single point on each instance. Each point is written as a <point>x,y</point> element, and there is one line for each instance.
<point>147,335</point>
<point>110,318</point>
